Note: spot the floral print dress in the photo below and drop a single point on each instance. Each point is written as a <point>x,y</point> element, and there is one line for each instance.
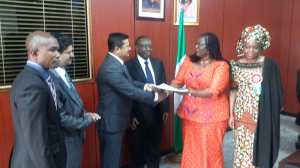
<point>245,110</point>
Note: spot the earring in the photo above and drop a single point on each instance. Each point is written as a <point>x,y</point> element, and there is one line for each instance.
<point>207,52</point>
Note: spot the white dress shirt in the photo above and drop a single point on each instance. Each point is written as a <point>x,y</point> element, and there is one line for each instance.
<point>119,59</point>
<point>62,74</point>
<point>142,62</point>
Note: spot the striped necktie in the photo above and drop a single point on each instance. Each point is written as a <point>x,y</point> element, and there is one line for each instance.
<point>53,90</point>
<point>74,90</point>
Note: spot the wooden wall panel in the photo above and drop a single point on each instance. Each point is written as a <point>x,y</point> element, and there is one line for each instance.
<point>86,92</point>
<point>6,129</point>
<point>211,18</point>
<point>253,13</point>
<point>285,37</point>
<point>294,61</point>
<point>233,27</point>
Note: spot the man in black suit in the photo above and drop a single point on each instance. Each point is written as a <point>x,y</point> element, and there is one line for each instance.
<point>148,119</point>
<point>74,118</point>
<point>39,142</point>
<point>116,90</point>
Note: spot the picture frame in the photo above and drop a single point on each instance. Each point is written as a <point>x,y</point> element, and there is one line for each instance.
<point>192,12</point>
<point>150,10</point>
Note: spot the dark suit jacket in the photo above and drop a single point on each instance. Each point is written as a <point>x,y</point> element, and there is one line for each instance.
<point>140,110</point>
<point>73,121</point>
<point>116,90</point>
<point>38,139</point>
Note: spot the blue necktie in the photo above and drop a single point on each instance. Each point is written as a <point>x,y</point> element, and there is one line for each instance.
<point>149,77</point>
<point>149,74</point>
<point>74,90</point>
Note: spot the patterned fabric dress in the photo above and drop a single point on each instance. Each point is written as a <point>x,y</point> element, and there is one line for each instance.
<point>204,120</point>
<point>245,111</point>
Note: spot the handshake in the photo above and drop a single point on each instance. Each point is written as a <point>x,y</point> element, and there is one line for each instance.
<point>162,95</point>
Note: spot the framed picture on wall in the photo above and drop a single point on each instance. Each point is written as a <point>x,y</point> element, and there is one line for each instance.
<point>150,10</point>
<point>191,11</point>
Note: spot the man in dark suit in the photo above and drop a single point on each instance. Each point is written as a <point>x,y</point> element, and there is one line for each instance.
<point>74,118</point>
<point>150,4</point>
<point>148,119</point>
<point>39,142</point>
<point>116,90</point>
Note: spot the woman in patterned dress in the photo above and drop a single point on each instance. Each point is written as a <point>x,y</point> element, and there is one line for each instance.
<point>204,110</point>
<point>255,101</point>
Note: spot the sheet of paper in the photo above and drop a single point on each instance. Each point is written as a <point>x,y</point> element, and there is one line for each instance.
<point>170,88</point>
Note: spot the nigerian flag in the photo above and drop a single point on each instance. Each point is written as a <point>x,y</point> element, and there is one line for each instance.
<point>178,145</point>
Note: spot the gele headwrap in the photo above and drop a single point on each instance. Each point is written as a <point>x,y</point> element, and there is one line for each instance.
<point>257,33</point>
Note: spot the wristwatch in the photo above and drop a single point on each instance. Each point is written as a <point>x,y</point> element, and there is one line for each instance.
<point>190,93</point>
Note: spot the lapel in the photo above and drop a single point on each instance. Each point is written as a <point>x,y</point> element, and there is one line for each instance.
<point>64,85</point>
<point>155,67</point>
<point>118,63</point>
<point>139,69</point>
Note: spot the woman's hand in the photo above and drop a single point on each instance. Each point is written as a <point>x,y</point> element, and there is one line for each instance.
<point>231,122</point>
<point>183,93</point>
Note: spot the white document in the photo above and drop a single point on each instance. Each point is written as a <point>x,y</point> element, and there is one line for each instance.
<point>170,88</point>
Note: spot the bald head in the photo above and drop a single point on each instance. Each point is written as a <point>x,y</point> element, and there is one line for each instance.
<point>42,49</point>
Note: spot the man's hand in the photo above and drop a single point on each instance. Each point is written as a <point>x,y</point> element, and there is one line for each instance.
<point>134,121</point>
<point>94,116</point>
<point>165,116</point>
<point>161,96</point>
<point>151,88</point>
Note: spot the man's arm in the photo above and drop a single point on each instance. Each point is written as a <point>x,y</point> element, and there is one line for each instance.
<point>116,79</point>
<point>32,109</point>
<point>68,120</point>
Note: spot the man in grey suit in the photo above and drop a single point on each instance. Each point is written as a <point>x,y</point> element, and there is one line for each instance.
<point>74,118</point>
<point>39,142</point>
<point>116,90</point>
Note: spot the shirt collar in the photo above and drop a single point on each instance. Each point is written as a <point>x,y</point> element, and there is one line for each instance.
<point>119,59</point>
<point>38,68</point>
<point>61,71</point>
<point>142,60</point>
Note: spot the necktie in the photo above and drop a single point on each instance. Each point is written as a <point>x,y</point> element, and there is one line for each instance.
<point>53,90</point>
<point>149,77</point>
<point>74,90</point>
<point>148,74</point>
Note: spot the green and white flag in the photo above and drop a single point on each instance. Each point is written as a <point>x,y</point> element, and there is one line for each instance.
<point>178,145</point>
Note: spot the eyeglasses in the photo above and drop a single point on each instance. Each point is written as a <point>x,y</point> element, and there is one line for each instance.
<point>144,47</point>
<point>127,47</point>
<point>199,45</point>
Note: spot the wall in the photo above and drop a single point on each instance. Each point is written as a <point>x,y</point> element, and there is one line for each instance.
<point>226,19</point>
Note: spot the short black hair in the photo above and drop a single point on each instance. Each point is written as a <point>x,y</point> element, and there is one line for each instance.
<point>64,41</point>
<point>139,39</point>
<point>116,40</point>
<point>212,46</point>
<point>183,1</point>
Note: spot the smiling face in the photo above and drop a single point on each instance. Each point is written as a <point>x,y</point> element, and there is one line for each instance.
<point>251,50</point>
<point>144,48</point>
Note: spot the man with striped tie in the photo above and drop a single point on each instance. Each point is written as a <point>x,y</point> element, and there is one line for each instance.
<point>74,118</point>
<point>38,139</point>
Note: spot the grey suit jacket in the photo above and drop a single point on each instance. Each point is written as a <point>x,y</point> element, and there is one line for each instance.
<point>38,141</point>
<point>73,121</point>
<point>116,90</point>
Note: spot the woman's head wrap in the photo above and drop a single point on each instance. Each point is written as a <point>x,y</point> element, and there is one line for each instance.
<point>255,33</point>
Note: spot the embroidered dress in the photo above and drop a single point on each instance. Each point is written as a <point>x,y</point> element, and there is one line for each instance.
<point>245,110</point>
<point>204,120</point>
